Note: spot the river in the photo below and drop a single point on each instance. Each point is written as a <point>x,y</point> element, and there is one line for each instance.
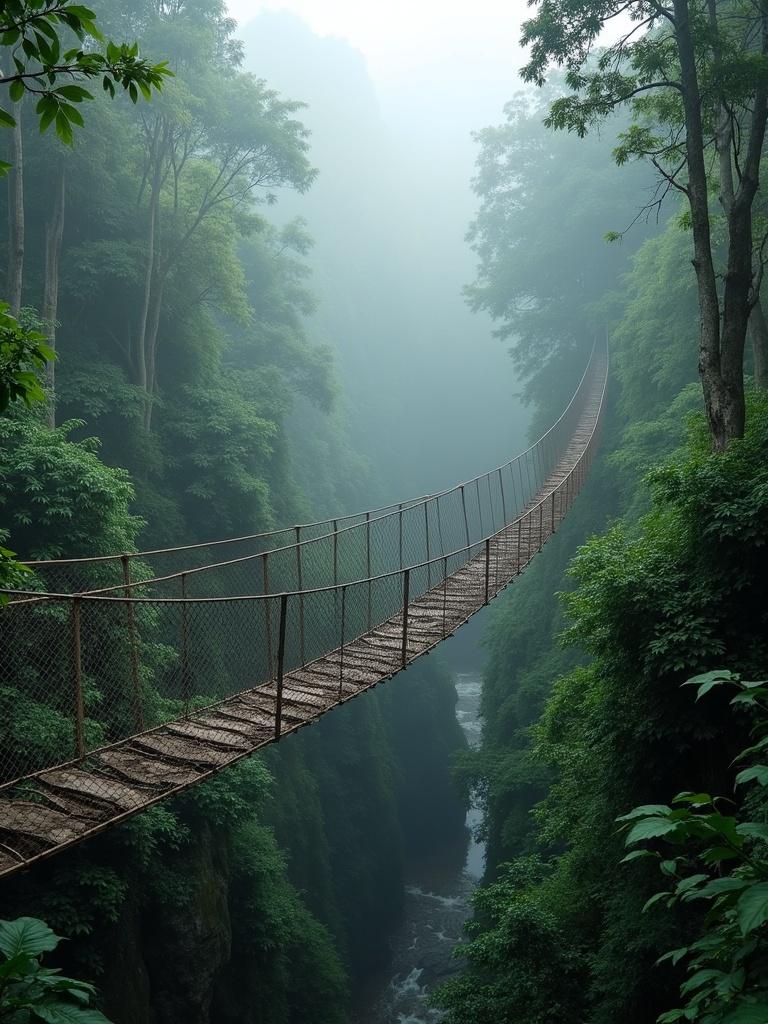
<point>437,905</point>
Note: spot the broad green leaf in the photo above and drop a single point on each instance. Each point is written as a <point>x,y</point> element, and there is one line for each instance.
<point>650,828</point>
<point>757,773</point>
<point>6,120</point>
<point>655,899</point>
<point>26,935</point>
<point>752,907</point>
<point>636,855</point>
<point>645,811</point>
<point>700,978</point>
<point>753,829</point>
<point>59,1012</point>
<point>719,886</point>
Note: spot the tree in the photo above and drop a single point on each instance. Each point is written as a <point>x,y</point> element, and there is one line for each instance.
<point>695,76</point>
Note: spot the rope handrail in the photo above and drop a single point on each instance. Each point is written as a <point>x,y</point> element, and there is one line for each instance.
<point>382,512</point>
<point>365,522</point>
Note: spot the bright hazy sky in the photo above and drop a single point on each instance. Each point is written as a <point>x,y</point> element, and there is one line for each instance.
<point>398,36</point>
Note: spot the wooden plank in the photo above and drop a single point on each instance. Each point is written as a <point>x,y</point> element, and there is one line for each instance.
<point>43,823</point>
<point>248,730</point>
<point>176,748</point>
<point>136,767</point>
<point>94,785</point>
<point>208,735</point>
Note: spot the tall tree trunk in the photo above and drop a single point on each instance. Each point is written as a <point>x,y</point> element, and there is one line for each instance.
<point>15,273</point>
<point>140,347</point>
<point>758,329</point>
<point>709,304</point>
<point>721,351</point>
<point>54,232</point>
<point>153,329</point>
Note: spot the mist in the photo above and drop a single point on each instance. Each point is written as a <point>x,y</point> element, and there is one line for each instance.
<point>383,494</point>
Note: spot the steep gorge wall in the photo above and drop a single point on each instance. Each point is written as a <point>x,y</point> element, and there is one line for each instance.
<point>262,895</point>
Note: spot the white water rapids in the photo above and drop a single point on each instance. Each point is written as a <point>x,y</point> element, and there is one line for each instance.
<point>436,907</point>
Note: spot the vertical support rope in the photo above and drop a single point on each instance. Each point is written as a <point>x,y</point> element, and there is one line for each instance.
<point>368,567</point>
<point>185,681</point>
<point>77,667</point>
<point>301,596</point>
<point>341,645</point>
<point>267,613</point>
<point>280,665</point>
<point>406,602</point>
<point>133,647</point>
<point>464,508</point>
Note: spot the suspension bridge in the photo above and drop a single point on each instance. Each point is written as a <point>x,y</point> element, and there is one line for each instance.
<point>128,678</point>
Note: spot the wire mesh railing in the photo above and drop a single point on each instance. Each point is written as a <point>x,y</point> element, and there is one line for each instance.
<point>333,551</point>
<point>160,663</point>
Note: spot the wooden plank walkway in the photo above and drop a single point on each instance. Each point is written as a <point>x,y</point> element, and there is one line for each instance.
<point>57,808</point>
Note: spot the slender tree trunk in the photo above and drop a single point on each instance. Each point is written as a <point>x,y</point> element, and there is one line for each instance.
<point>54,232</point>
<point>153,330</point>
<point>140,347</point>
<point>15,274</point>
<point>758,329</point>
<point>709,306</point>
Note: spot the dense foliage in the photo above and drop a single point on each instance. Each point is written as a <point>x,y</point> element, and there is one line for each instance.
<point>585,713</point>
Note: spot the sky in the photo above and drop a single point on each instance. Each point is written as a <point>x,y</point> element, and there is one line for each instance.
<point>401,39</point>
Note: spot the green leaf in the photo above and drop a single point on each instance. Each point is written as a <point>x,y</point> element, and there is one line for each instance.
<point>655,899</point>
<point>16,90</point>
<point>754,830</point>
<point>26,935</point>
<point>752,908</point>
<point>650,828</point>
<point>757,773</point>
<point>6,120</point>
<point>636,855</point>
<point>718,887</point>
<point>67,1013</point>
<point>645,811</point>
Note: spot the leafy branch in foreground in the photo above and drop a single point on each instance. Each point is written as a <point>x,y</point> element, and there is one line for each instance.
<point>22,351</point>
<point>723,860</point>
<point>30,992</point>
<point>39,65</point>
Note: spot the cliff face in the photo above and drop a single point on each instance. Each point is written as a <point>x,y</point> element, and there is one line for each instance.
<point>259,896</point>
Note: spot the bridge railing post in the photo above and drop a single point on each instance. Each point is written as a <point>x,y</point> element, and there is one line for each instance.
<point>553,507</point>
<point>300,587</point>
<point>267,614</point>
<point>541,525</point>
<point>368,568</point>
<point>503,498</point>
<point>341,644</point>
<point>133,647</point>
<point>400,532</point>
<point>77,668</point>
<point>280,665</point>
<point>186,688</point>
<point>426,537</point>
<point>464,509</point>
<point>406,602</point>
<point>487,569</point>
<point>445,594</point>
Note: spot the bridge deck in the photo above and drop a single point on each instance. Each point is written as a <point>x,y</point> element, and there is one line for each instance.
<point>58,807</point>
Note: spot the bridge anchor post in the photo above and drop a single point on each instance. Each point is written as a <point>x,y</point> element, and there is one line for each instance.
<point>406,602</point>
<point>280,665</point>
